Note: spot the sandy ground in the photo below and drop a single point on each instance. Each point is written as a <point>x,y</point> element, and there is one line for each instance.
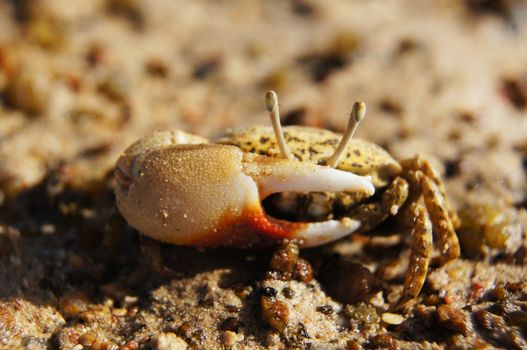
<point>81,80</point>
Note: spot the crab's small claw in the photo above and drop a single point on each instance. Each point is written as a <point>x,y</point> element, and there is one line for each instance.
<point>209,194</point>
<point>274,175</point>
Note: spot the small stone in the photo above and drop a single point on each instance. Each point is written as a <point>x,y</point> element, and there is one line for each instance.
<point>185,330</point>
<point>347,281</point>
<point>130,300</point>
<point>73,305</point>
<point>302,331</point>
<point>120,312</point>
<point>230,324</point>
<point>28,91</point>
<point>169,341</point>
<point>303,271</point>
<point>383,341</point>
<point>231,338</point>
<point>115,87</point>
<point>95,342</point>
<point>484,320</point>
<point>157,68</point>
<point>131,345</point>
<point>325,309</point>
<point>452,318</point>
<point>393,319</point>
<point>275,312</point>
<point>495,329</point>
<point>283,261</point>
<point>288,292</point>
<point>232,308</point>
<point>269,292</point>
<point>242,291</point>
<point>499,293</point>
<point>47,229</point>
<point>353,345</point>
<point>362,317</point>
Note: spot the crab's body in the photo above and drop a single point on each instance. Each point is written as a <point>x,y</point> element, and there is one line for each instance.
<point>182,189</point>
<point>314,145</point>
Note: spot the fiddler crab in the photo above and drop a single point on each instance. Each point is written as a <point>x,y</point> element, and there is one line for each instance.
<point>261,185</point>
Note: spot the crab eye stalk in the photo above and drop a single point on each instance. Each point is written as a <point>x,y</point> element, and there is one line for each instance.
<point>271,103</point>
<point>358,113</point>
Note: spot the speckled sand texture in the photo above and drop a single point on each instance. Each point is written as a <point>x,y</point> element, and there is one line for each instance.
<point>81,80</point>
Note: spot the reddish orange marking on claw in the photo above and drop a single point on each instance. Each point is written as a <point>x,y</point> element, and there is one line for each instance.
<point>252,228</point>
<point>273,228</point>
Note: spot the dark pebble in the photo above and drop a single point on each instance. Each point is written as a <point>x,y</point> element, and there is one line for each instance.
<point>303,271</point>
<point>348,282</point>
<point>269,292</point>
<point>325,309</point>
<point>275,313</point>
<point>383,341</point>
<point>353,345</point>
<point>282,265</point>
<point>230,324</point>
<point>185,330</point>
<point>302,330</point>
<point>232,308</point>
<point>452,318</point>
<point>288,292</point>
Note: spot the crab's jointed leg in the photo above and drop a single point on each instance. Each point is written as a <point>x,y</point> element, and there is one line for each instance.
<point>418,163</point>
<point>372,214</point>
<point>432,219</point>
<point>151,252</point>
<point>426,183</point>
<point>419,257</point>
<point>443,226</point>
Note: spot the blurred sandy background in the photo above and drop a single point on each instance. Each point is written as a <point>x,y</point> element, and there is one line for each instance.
<point>443,78</point>
<point>80,80</point>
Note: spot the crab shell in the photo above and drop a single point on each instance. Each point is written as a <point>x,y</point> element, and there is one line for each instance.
<point>178,188</point>
<point>315,145</point>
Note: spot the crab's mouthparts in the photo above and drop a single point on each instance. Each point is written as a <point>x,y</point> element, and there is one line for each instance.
<point>284,183</point>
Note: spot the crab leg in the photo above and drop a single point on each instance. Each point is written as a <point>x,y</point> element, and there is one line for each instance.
<point>372,214</point>
<point>420,255</point>
<point>151,252</point>
<point>443,226</point>
<point>424,181</point>
<point>418,163</point>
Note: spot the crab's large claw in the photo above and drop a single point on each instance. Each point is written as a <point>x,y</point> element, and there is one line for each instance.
<point>210,195</point>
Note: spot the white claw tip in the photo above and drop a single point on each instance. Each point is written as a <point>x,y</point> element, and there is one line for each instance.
<point>270,100</point>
